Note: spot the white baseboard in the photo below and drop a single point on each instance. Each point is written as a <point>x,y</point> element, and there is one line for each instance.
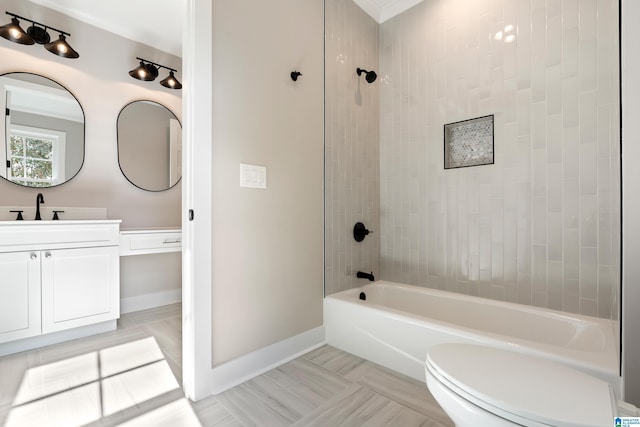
<point>56,337</point>
<point>146,301</point>
<point>244,368</point>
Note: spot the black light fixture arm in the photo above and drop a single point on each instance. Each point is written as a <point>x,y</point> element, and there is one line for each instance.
<point>148,71</point>
<point>156,64</point>
<point>46,27</point>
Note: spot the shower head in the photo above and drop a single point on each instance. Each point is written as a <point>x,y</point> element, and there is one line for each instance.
<point>370,76</point>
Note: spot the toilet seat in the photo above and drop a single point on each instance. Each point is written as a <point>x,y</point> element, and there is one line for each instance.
<point>520,388</point>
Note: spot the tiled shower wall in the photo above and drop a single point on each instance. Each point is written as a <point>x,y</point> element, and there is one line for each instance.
<point>541,225</point>
<point>352,177</point>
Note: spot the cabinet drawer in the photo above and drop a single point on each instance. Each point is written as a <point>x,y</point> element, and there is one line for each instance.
<point>132,243</point>
<point>36,235</point>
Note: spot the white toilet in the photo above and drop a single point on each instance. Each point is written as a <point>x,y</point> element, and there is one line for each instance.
<point>483,386</point>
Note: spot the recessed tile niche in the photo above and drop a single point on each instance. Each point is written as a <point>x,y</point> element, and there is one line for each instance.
<point>468,143</point>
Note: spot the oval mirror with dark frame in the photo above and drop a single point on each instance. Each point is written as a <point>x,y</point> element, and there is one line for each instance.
<point>43,131</point>
<point>150,145</point>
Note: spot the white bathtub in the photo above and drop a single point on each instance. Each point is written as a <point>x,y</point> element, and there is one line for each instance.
<point>397,324</point>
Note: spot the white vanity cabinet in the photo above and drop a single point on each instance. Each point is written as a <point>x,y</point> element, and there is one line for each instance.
<point>79,287</point>
<point>57,275</point>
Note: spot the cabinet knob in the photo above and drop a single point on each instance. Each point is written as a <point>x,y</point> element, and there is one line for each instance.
<point>47,255</point>
<point>34,256</point>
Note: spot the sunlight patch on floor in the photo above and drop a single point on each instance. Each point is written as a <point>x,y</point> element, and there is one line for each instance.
<point>133,387</point>
<point>46,380</point>
<point>121,358</point>
<point>83,389</point>
<point>72,408</point>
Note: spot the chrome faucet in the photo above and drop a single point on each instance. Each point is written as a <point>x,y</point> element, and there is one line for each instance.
<point>39,199</point>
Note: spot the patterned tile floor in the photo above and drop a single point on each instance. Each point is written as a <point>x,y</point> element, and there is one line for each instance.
<point>132,377</point>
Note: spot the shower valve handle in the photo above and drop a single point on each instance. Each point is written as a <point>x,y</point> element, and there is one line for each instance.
<point>360,232</point>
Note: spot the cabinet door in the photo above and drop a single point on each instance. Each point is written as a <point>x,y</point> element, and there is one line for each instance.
<point>19,295</point>
<point>79,287</point>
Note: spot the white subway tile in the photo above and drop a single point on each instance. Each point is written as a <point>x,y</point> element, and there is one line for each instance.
<point>571,209</point>
<point>605,230</point>
<point>539,276</point>
<point>524,159</point>
<point>588,307</point>
<point>571,153</point>
<point>587,19</point>
<point>524,228</point>
<point>554,89</point>
<point>539,125</point>
<point>605,125</point>
<point>588,169</point>
<point>589,273</point>
<point>555,248</point>
<point>538,50</point>
<point>588,117</point>
<point>571,296</point>
<point>554,139</point>
<point>510,247</point>
<point>570,51</point>
<point>570,13</point>
<point>571,253</point>
<point>524,288</point>
<point>539,219</point>
<point>588,221</point>
<point>570,102</point>
<point>539,174</point>
<point>554,285</point>
<point>587,64</point>
<point>553,38</point>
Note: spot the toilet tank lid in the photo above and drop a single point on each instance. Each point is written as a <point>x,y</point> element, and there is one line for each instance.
<point>505,382</point>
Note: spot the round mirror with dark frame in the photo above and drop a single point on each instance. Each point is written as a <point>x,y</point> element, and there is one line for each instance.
<point>43,131</point>
<point>150,145</point>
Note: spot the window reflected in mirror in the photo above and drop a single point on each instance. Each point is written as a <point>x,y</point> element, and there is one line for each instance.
<point>150,145</point>
<point>43,144</point>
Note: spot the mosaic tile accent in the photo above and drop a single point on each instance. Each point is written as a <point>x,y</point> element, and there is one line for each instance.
<point>468,143</point>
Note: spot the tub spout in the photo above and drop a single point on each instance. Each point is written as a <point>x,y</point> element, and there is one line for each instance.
<point>361,275</point>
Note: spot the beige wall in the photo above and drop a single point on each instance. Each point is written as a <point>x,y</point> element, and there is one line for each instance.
<point>352,176</point>
<point>267,244</point>
<point>541,225</point>
<point>99,80</point>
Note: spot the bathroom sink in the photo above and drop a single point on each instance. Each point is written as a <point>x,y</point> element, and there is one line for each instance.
<point>47,213</point>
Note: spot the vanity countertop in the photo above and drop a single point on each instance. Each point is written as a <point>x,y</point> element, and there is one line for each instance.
<point>28,222</point>
<point>150,230</point>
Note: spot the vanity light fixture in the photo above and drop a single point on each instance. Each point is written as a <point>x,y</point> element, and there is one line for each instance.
<point>60,47</point>
<point>37,33</point>
<point>14,32</point>
<point>145,72</point>
<point>148,71</point>
<point>171,82</point>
